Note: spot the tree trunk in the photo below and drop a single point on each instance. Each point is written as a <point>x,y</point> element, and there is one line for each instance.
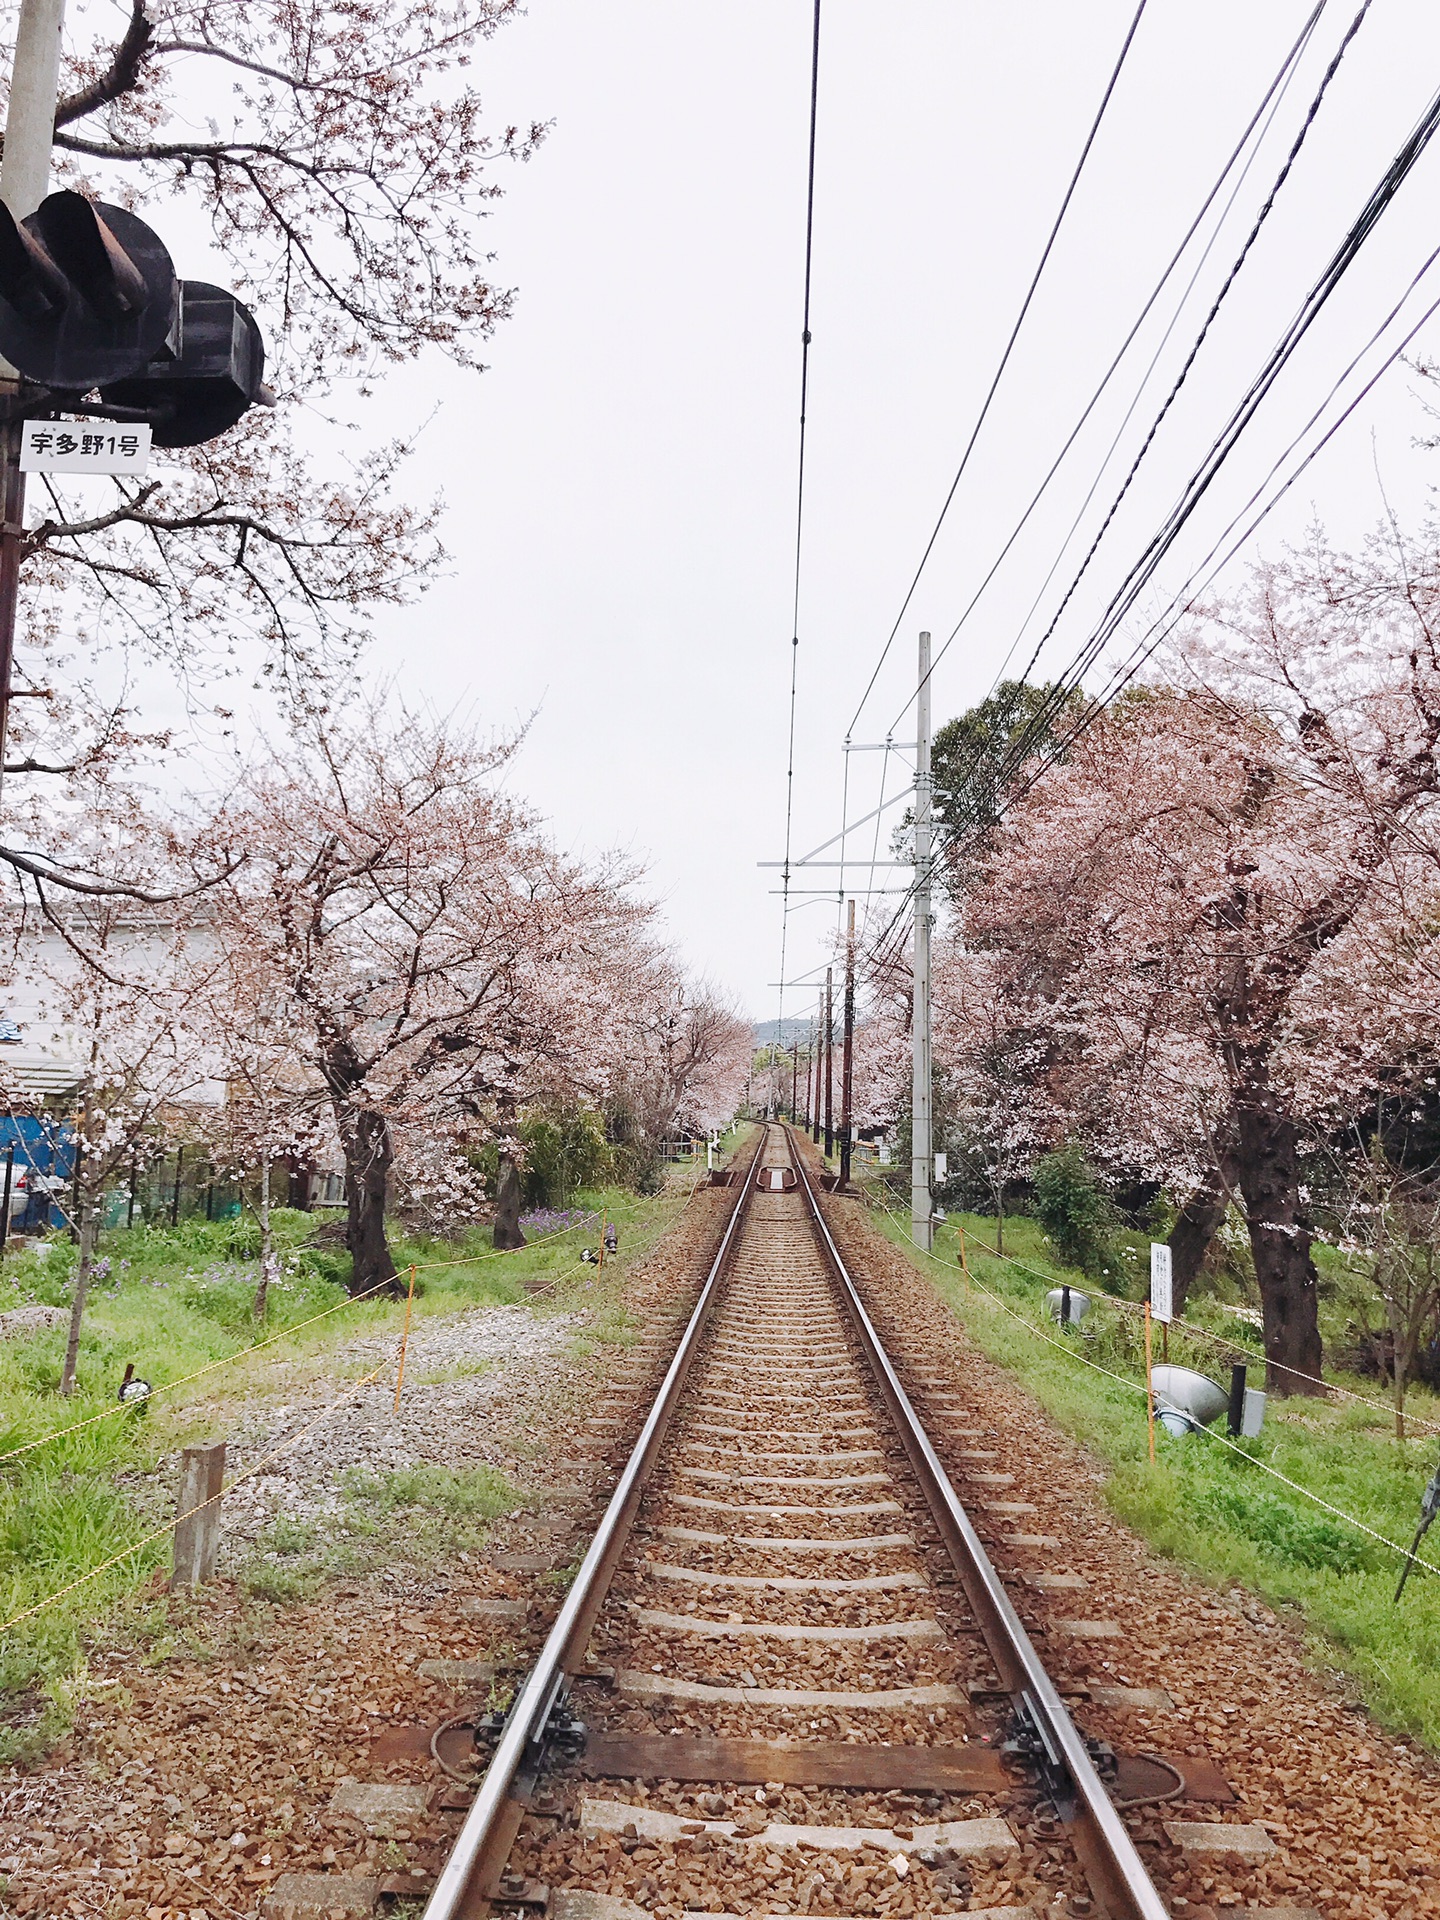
<point>267,1242</point>
<point>507,1208</point>
<point>302,1185</point>
<point>368,1156</point>
<point>1400,1370</point>
<point>1268,1168</point>
<point>1197,1224</point>
<point>87,1230</point>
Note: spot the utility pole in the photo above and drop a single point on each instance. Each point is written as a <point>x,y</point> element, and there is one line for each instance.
<point>809,1075</point>
<point>24,177</point>
<point>829,1044</point>
<point>847,1063</point>
<point>922,1144</point>
<point>794,1077</point>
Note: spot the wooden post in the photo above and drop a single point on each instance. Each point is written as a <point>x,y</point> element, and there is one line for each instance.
<point>829,1062</point>
<point>847,1058</point>
<point>1149,1386</point>
<point>197,1535</point>
<point>964,1263</point>
<point>404,1341</point>
<point>175,1197</point>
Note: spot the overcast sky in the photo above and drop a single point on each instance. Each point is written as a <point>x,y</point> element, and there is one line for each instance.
<point>621,480</point>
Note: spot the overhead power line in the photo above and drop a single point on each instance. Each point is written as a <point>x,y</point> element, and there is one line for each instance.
<point>1194,350</point>
<point>1144,569</point>
<point>800,490</point>
<point>1266,110</point>
<point>1009,348</point>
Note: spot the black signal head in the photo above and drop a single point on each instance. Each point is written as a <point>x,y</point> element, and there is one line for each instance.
<point>87,293</point>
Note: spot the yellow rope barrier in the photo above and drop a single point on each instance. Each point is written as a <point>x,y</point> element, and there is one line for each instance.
<point>1134,1386</point>
<point>158,1533</point>
<point>285,1333</point>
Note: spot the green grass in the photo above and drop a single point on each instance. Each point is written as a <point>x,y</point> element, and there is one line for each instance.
<point>1213,1508</point>
<point>174,1302</point>
<point>408,1517</point>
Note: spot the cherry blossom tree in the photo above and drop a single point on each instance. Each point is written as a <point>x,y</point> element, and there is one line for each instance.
<point>123,986</point>
<point>342,165</point>
<point>1208,880</point>
<point>426,941</point>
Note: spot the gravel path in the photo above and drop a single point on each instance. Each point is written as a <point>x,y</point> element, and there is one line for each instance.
<point>1353,1813</point>
<point>202,1763</point>
<point>491,1356</point>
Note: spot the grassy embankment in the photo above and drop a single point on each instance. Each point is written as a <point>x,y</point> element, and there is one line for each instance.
<point>176,1302</point>
<point>1211,1508</point>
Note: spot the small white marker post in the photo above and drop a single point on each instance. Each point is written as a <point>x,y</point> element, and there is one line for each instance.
<point>1160,1306</point>
<point>1162,1291</point>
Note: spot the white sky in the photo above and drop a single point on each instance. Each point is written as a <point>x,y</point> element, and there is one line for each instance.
<point>621,481</point>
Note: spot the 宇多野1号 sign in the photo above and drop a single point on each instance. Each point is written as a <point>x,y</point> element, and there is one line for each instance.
<point>85,446</point>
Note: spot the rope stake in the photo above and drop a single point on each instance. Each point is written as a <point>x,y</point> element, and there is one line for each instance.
<point>404,1339</point>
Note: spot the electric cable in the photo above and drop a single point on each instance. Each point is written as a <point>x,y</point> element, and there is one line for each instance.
<point>800,499</point>
<point>1272,99</point>
<point>1008,349</point>
<point>1181,602</point>
<point>1207,324</point>
<point>1144,569</point>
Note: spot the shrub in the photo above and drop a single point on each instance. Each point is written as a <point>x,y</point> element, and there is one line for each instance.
<point>1075,1211</point>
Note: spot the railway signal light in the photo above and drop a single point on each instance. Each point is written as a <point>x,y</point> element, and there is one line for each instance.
<point>87,293</point>
<point>89,300</point>
<point>216,377</point>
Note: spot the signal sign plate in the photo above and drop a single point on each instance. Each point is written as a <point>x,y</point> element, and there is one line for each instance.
<point>1162,1306</point>
<point>85,446</point>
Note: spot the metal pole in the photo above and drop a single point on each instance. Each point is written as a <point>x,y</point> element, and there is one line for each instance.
<point>829,1061</point>
<point>847,1062</point>
<point>24,177</point>
<point>922,1155</point>
<point>5,1203</point>
<point>794,1077</point>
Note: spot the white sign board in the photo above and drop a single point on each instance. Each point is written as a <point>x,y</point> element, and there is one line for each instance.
<point>942,1165</point>
<point>85,446</point>
<point>1161,1297</point>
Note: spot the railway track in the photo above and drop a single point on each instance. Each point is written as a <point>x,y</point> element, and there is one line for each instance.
<point>787,1675</point>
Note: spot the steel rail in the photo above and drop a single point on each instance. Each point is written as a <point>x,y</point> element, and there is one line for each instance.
<point>468,1881</point>
<point>1117,1875</point>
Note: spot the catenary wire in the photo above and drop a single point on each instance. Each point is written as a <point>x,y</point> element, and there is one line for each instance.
<point>1007,351</point>
<point>800,499</point>
<point>1272,100</point>
<point>1301,322</point>
<point>1144,569</point>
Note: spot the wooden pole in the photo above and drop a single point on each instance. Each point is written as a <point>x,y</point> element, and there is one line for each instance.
<point>404,1340</point>
<point>197,1533</point>
<point>1149,1387</point>
<point>829,1061</point>
<point>847,1064</point>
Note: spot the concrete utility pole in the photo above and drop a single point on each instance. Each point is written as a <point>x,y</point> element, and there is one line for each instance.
<point>847,1062</point>
<point>922,1144</point>
<point>24,178</point>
